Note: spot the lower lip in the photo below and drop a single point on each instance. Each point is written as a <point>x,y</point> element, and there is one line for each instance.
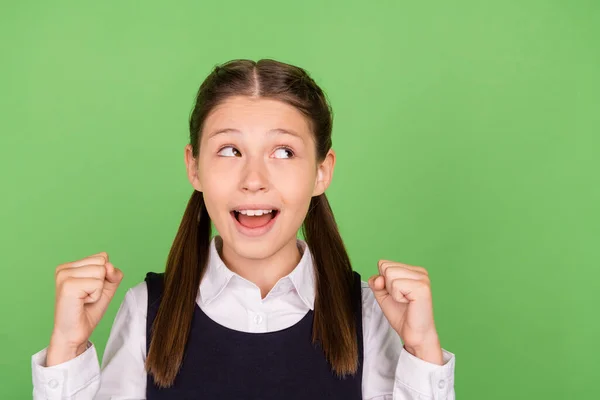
<point>261,230</point>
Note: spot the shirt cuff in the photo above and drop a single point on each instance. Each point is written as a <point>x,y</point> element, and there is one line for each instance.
<point>65,379</point>
<point>432,380</point>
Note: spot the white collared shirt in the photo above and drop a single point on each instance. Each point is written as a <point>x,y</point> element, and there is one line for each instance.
<point>389,371</point>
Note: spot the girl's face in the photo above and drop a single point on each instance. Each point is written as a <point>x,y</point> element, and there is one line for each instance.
<point>257,154</point>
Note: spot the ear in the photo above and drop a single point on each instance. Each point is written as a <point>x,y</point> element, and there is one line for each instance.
<point>324,173</point>
<point>191,165</point>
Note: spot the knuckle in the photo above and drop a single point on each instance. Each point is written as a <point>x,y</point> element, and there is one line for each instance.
<point>59,276</point>
<point>421,269</point>
<point>385,271</point>
<point>67,286</point>
<point>59,268</point>
<point>100,271</point>
<point>387,268</point>
<point>102,254</point>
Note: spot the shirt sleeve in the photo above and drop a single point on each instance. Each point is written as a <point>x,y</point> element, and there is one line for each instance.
<point>77,377</point>
<point>122,375</point>
<point>390,372</point>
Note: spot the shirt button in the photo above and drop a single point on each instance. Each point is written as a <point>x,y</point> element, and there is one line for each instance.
<point>257,319</point>
<point>53,383</point>
<point>442,384</point>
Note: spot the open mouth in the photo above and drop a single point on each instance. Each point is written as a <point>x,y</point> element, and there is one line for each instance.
<point>254,219</point>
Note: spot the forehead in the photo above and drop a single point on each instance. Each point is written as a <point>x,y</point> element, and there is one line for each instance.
<point>252,115</point>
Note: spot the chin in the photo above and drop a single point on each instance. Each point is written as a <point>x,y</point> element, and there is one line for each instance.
<point>254,249</point>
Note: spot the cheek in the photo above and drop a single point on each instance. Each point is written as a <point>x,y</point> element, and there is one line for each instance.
<point>216,190</point>
<point>295,187</point>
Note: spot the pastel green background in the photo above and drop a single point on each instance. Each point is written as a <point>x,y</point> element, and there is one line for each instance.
<point>467,142</point>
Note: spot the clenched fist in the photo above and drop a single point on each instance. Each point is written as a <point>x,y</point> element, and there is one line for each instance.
<point>403,292</point>
<point>84,288</point>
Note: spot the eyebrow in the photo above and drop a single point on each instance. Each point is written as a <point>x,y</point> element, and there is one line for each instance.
<point>280,131</point>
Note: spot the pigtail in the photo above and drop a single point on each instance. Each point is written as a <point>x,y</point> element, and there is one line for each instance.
<point>334,325</point>
<point>185,265</point>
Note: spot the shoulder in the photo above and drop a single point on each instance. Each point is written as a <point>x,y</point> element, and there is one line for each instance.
<point>136,299</point>
<point>368,299</point>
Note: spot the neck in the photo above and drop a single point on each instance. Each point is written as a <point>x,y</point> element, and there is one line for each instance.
<point>264,272</point>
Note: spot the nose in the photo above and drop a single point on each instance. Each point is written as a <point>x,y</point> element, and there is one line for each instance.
<point>255,177</point>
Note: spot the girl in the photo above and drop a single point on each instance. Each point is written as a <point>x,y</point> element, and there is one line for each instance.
<point>253,312</point>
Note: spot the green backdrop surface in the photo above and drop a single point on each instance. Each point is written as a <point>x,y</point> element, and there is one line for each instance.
<point>467,136</point>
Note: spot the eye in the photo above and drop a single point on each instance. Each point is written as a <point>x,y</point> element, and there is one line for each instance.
<point>284,151</point>
<point>234,152</point>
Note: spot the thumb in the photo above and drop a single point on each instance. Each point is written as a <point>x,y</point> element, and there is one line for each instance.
<point>113,277</point>
<point>377,285</point>
<point>112,280</point>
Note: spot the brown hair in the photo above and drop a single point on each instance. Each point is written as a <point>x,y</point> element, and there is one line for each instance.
<point>334,326</point>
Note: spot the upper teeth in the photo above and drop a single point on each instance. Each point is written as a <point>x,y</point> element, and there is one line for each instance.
<point>254,212</point>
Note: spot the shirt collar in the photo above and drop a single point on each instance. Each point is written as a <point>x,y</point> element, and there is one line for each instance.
<point>217,275</point>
